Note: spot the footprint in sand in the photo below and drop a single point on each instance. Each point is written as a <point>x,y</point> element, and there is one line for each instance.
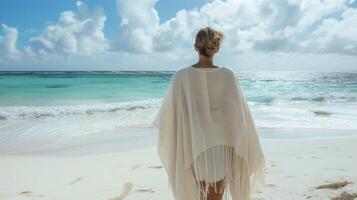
<point>29,194</point>
<point>25,192</point>
<point>269,185</point>
<point>155,167</point>
<point>310,196</point>
<point>126,189</point>
<point>346,196</point>
<point>76,180</point>
<point>334,186</point>
<point>135,166</point>
<point>145,190</point>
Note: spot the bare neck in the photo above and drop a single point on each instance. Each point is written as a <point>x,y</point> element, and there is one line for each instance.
<point>205,62</point>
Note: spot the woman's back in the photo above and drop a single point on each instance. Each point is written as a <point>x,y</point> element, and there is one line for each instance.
<point>205,120</point>
<point>210,94</point>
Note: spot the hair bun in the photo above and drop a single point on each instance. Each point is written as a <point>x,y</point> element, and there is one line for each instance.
<point>212,46</point>
<point>208,41</point>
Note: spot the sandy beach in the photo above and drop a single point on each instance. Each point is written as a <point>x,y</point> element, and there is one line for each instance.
<point>124,165</point>
<point>83,83</point>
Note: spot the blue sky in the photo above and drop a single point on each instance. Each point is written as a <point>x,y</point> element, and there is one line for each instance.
<point>32,16</point>
<point>158,35</point>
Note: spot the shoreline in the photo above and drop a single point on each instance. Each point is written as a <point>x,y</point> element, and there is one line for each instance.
<point>126,139</point>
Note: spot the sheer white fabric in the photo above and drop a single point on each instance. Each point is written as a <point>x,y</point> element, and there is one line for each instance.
<point>204,108</point>
<point>214,160</point>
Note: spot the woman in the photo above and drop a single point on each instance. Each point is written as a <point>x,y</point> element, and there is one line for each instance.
<point>207,138</point>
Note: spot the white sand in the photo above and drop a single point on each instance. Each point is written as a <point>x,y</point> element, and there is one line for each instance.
<point>112,166</point>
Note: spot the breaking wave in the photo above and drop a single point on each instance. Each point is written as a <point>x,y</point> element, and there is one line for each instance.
<point>35,112</point>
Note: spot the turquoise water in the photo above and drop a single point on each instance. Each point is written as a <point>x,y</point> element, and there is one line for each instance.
<point>73,89</point>
<point>46,89</point>
<point>65,104</point>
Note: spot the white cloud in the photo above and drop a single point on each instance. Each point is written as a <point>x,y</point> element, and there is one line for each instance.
<point>265,34</point>
<point>314,11</point>
<point>336,35</point>
<point>260,25</point>
<point>139,24</point>
<point>75,33</point>
<point>8,49</point>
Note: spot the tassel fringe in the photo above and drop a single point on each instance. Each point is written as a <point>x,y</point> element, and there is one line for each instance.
<point>238,184</point>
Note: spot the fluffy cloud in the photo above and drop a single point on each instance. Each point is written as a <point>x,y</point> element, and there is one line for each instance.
<point>336,35</point>
<point>141,30</point>
<point>75,33</point>
<point>139,22</point>
<point>275,30</point>
<point>8,42</point>
<point>258,25</point>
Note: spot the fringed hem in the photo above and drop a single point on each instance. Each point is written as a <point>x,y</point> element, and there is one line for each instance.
<point>237,184</point>
<point>258,176</point>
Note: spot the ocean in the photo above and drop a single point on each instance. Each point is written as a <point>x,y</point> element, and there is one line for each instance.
<point>65,104</point>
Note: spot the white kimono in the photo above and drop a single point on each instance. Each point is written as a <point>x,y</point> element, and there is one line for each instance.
<point>201,109</point>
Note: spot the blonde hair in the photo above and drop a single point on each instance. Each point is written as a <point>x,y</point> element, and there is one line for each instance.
<point>208,41</point>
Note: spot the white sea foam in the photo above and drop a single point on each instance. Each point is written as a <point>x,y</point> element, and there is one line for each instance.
<point>82,119</point>
<point>44,125</point>
<point>27,112</point>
